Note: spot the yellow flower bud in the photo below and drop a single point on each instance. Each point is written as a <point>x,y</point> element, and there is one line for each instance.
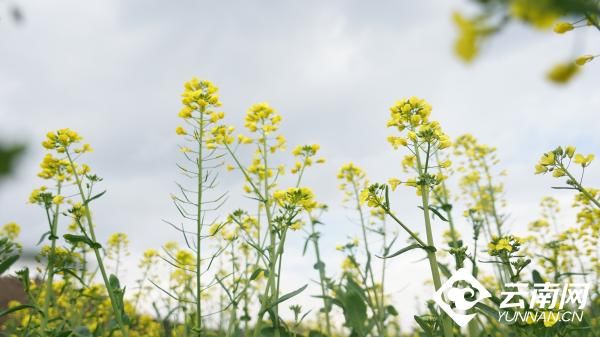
<point>563,27</point>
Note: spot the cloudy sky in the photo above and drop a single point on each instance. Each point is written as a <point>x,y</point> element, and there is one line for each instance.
<point>113,70</point>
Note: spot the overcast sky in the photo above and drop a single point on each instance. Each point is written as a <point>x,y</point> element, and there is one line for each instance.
<point>113,71</point>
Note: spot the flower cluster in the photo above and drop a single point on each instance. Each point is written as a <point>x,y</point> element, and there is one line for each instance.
<point>263,117</point>
<point>412,114</point>
<point>471,34</point>
<point>374,195</point>
<point>504,245</point>
<point>198,95</point>
<point>10,230</point>
<point>221,135</point>
<point>301,197</point>
<point>305,155</point>
<point>54,168</point>
<point>353,180</point>
<point>61,139</point>
<point>558,160</point>
<point>536,13</point>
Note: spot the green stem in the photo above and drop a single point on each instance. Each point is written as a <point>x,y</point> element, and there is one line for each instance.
<point>369,269</point>
<point>50,277</point>
<point>579,187</point>
<point>433,264</point>
<point>111,294</point>
<point>199,214</point>
<point>322,278</point>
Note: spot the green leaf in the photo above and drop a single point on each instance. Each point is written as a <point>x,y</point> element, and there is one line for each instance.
<point>4,265</point>
<point>256,272</point>
<point>75,239</point>
<point>82,331</point>
<point>426,326</point>
<point>491,313</point>
<point>444,269</point>
<point>319,265</point>
<point>391,310</point>
<point>305,248</point>
<point>94,198</point>
<point>114,282</point>
<point>18,308</point>
<point>314,333</point>
<point>537,277</point>
<point>355,312</point>
<point>284,298</point>
<point>402,251</point>
<point>270,332</point>
<point>43,237</point>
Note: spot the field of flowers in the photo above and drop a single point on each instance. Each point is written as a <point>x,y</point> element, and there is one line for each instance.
<point>224,277</point>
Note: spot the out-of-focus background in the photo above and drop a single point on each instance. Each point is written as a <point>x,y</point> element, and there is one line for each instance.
<point>113,71</point>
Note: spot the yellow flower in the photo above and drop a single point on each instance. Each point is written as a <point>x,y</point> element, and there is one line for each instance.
<point>302,197</point>
<point>10,230</point>
<point>563,27</point>
<point>117,240</point>
<point>244,139</point>
<point>198,95</point>
<point>394,183</point>
<point>540,169</point>
<point>180,131</point>
<point>581,60</point>
<point>466,45</point>
<point>548,159</point>
<point>262,116</point>
<point>550,318</point>
<point>61,139</point>
<point>186,112</point>
<point>222,134</point>
<point>214,228</point>
<point>537,13</point>
<point>584,160</point>
<point>562,72</point>
<point>296,225</point>
<point>84,148</point>
<point>570,151</point>
<point>36,195</point>
<point>58,199</point>
<point>216,116</point>
<point>348,264</point>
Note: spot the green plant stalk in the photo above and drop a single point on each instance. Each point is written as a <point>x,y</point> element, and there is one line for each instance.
<point>445,197</point>
<point>233,315</point>
<point>322,278</point>
<point>369,270</point>
<point>50,277</point>
<point>433,264</point>
<point>271,282</point>
<point>579,187</point>
<point>199,225</point>
<point>383,269</point>
<point>411,233</point>
<point>272,238</point>
<point>490,188</point>
<point>111,294</point>
<point>264,201</point>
